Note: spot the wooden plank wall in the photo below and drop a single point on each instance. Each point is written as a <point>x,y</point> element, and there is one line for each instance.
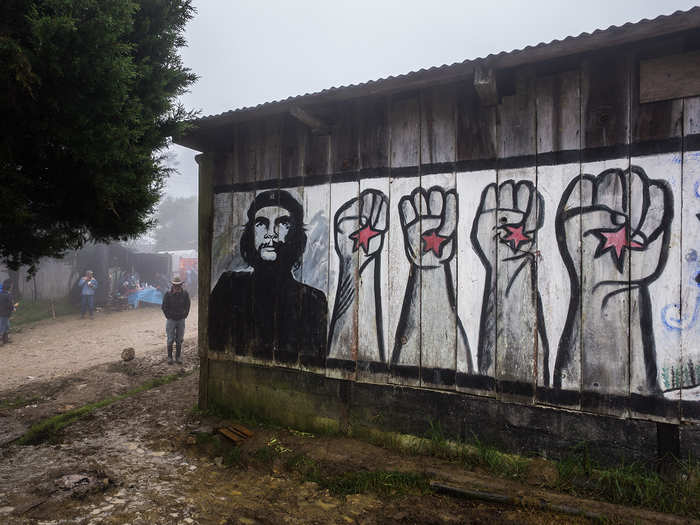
<point>543,250</point>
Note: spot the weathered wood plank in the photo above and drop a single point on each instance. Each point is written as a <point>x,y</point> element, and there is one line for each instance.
<point>558,129</point>
<point>222,248</point>
<point>669,77</point>
<point>605,100</point>
<point>293,148</point>
<point>439,327</point>
<point>343,281</point>
<point>404,283</point>
<point>558,112</point>
<point>476,277</point>
<point>314,273</point>
<point>605,298</point>
<point>345,145</point>
<point>517,124</point>
<point>558,285</point>
<point>404,240</point>
<point>405,131</point>
<point>655,274</point>
<point>476,125</point>
<point>248,151</point>
<point>519,217</point>
<point>373,295</point>
<point>317,159</point>
<point>374,133</point>
<point>438,125</point>
<point>271,153</point>
<point>689,375</point>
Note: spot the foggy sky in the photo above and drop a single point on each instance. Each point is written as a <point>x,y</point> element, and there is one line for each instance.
<point>250,52</point>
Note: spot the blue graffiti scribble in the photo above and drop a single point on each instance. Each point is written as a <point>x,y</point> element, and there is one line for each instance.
<point>697,188</point>
<point>671,313</point>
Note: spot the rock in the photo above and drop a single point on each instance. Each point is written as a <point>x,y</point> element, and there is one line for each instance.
<point>128,354</point>
<point>219,461</point>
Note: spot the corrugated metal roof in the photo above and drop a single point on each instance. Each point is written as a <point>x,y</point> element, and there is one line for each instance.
<point>585,42</point>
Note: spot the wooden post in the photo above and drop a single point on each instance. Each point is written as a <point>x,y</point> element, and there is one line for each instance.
<point>206,175</point>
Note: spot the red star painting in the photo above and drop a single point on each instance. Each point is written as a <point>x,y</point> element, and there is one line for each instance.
<point>516,236</point>
<point>362,238</point>
<point>433,242</point>
<point>615,242</point>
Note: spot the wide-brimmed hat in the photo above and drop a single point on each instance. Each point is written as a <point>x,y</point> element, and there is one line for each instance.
<point>176,281</point>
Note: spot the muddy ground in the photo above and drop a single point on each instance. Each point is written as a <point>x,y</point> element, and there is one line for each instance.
<point>153,458</point>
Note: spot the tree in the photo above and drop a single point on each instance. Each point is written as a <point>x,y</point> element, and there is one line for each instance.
<point>88,102</point>
<point>177,224</point>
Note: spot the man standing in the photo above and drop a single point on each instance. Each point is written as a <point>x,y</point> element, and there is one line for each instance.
<point>7,306</point>
<point>88,285</point>
<point>176,307</point>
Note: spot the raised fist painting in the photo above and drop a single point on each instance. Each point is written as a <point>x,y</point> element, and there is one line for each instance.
<point>504,234</point>
<point>360,226</point>
<point>429,222</point>
<point>600,222</point>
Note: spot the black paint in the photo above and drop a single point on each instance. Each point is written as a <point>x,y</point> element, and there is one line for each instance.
<point>266,312</point>
<point>567,211</point>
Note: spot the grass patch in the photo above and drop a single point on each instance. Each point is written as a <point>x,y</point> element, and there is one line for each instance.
<point>381,482</point>
<point>633,484</point>
<point>48,429</point>
<point>32,311</point>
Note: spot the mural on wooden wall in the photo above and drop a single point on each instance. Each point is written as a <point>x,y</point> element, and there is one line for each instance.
<point>359,225</point>
<point>504,236</point>
<point>600,220</point>
<point>266,312</point>
<point>429,227</point>
<point>393,291</point>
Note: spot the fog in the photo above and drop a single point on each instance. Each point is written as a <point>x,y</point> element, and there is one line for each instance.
<point>250,52</point>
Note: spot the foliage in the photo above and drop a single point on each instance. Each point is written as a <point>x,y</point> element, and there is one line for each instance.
<point>177,224</point>
<point>88,102</point>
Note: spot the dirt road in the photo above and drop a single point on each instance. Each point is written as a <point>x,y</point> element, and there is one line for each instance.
<point>55,348</point>
<point>147,456</point>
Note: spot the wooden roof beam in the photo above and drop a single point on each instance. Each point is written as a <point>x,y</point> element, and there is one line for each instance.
<point>317,126</point>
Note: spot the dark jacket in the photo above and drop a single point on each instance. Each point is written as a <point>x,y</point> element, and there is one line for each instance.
<point>7,304</point>
<point>176,306</point>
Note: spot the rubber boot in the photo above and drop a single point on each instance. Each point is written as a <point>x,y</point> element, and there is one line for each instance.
<point>178,352</point>
<point>170,354</point>
<point>5,338</point>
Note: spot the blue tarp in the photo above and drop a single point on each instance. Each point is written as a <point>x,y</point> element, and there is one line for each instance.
<point>147,295</point>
